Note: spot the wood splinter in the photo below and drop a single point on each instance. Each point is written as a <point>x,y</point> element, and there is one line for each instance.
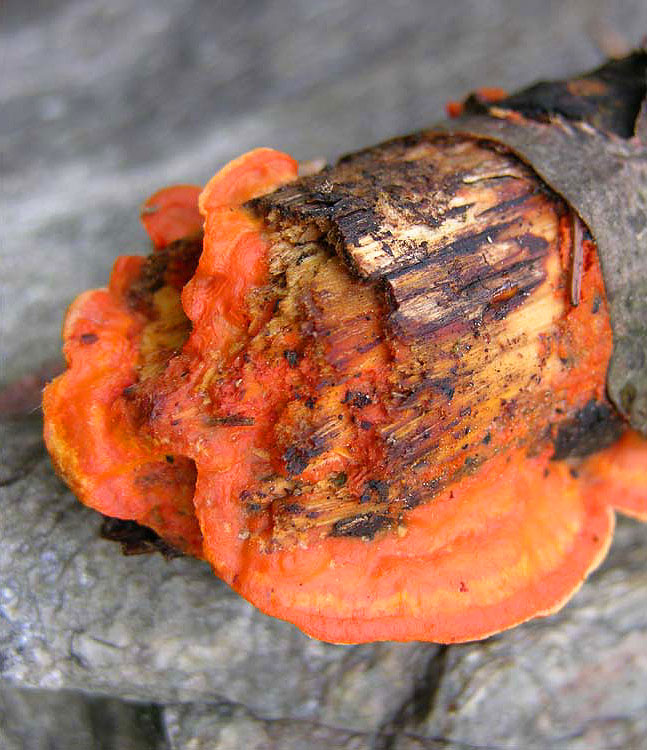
<point>578,259</point>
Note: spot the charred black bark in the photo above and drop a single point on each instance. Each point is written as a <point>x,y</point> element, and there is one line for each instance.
<point>608,98</point>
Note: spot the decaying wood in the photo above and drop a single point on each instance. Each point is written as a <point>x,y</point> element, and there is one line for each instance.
<point>587,138</point>
<point>437,259</point>
<point>156,293</point>
<point>407,210</point>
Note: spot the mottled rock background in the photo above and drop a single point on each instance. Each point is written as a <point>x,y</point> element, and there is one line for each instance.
<point>101,103</point>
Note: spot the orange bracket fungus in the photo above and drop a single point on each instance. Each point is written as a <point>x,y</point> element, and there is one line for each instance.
<point>399,398</point>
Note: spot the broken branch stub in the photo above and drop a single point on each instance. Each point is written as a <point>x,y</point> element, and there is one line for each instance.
<point>393,211</point>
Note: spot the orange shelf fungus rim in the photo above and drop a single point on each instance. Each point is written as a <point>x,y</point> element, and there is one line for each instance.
<point>616,475</point>
<point>172,214</point>
<point>468,619</point>
<point>249,176</point>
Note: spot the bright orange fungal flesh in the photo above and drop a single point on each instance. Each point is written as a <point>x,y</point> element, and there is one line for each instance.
<point>88,429</point>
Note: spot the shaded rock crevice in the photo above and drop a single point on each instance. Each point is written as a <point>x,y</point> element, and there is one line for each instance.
<point>417,707</point>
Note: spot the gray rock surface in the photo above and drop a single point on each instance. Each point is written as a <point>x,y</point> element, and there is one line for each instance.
<point>65,719</point>
<point>104,103</point>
